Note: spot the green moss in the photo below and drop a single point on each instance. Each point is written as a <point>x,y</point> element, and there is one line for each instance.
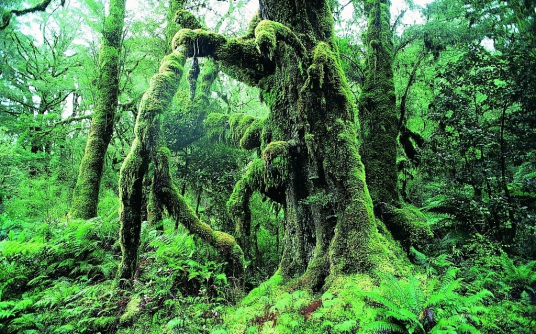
<point>267,288</point>
<point>238,207</point>
<point>187,20</point>
<point>215,125</point>
<point>252,136</point>
<point>265,36</point>
<point>274,150</point>
<point>413,222</point>
<point>239,123</point>
<point>267,33</point>
<point>132,310</point>
<point>252,25</point>
<point>198,42</point>
<point>380,123</point>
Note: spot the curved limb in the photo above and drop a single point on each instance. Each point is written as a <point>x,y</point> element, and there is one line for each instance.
<point>40,7</point>
<point>168,194</point>
<point>238,57</point>
<point>267,176</point>
<point>242,58</point>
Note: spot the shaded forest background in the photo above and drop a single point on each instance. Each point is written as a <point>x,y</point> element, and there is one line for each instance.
<point>440,98</point>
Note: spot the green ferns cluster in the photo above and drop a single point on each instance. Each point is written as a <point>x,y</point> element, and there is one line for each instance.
<point>436,307</point>
<point>61,279</point>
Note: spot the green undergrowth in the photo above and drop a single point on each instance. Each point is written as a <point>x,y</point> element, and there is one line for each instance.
<point>60,278</point>
<point>361,304</point>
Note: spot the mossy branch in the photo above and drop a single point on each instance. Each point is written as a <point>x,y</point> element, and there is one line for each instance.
<point>168,194</point>
<point>237,57</point>
<point>187,20</point>
<point>266,176</point>
<point>154,102</point>
<point>407,224</point>
<point>243,58</point>
<point>267,33</point>
<point>40,7</point>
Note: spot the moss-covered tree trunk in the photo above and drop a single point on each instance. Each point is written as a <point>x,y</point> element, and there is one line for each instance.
<point>86,192</point>
<point>144,149</point>
<point>378,114</point>
<point>379,130</point>
<point>154,102</point>
<point>310,161</point>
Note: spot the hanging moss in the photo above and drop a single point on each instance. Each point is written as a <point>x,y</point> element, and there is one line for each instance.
<point>215,126</point>
<point>239,129</point>
<point>237,57</point>
<point>239,123</point>
<point>252,135</point>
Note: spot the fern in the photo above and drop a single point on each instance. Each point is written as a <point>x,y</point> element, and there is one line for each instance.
<point>401,304</point>
<point>385,326</point>
<point>523,276</point>
<point>407,307</point>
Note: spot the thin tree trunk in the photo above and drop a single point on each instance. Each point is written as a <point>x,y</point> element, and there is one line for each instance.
<point>86,192</point>
<point>378,104</point>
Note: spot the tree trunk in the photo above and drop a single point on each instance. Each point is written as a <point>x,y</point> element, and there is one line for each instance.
<point>310,161</point>
<point>154,102</point>
<point>86,192</point>
<point>378,114</point>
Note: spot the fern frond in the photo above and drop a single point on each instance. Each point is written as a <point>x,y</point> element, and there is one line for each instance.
<point>384,326</point>
<point>5,314</point>
<point>385,301</point>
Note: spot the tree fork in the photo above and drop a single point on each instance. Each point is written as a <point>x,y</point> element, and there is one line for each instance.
<point>155,101</point>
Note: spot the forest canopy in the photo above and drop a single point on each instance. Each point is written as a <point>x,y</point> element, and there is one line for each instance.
<point>270,166</point>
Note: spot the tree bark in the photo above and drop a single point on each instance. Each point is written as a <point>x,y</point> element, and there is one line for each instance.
<point>378,114</point>
<point>380,127</point>
<point>86,192</point>
<point>310,161</point>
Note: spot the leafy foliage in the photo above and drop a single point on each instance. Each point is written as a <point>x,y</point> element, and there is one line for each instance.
<point>406,307</point>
